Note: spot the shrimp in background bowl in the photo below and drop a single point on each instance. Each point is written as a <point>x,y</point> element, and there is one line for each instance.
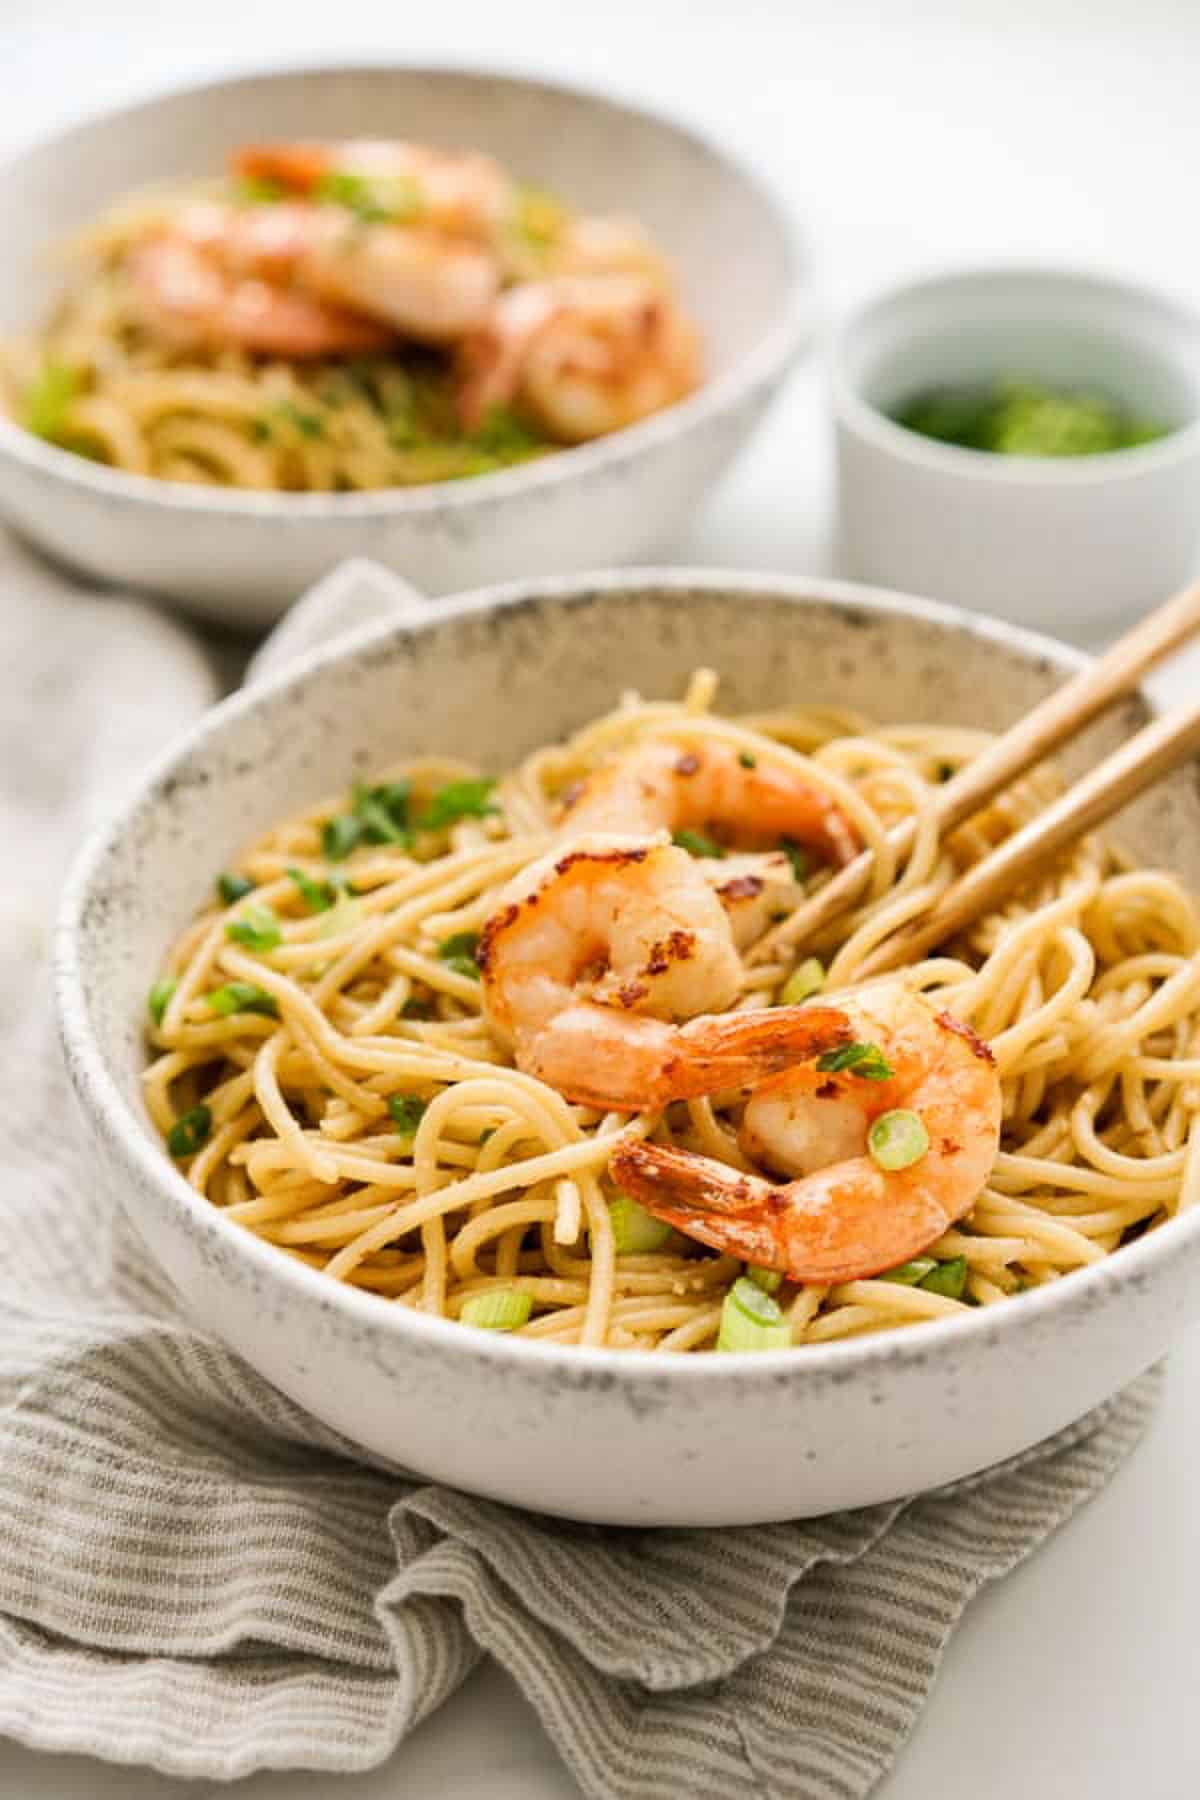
<point>351,315</point>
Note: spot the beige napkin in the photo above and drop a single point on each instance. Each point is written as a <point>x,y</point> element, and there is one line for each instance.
<point>195,1575</point>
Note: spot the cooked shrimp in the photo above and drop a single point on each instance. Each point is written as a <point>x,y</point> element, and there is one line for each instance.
<point>843,1217</point>
<point>458,191</point>
<point>580,356</point>
<point>595,955</point>
<point>599,245</point>
<point>190,301</point>
<point>754,888</point>
<point>359,283</point>
<point>707,786</point>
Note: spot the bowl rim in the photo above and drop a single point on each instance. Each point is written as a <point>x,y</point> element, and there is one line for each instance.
<point>116,1123</point>
<point>765,361</point>
<point>857,414</point>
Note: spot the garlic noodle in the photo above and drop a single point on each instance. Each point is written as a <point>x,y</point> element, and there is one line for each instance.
<point>324,1076</point>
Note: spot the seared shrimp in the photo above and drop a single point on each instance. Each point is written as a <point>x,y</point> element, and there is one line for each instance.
<point>579,356</point>
<point>844,1216</point>
<point>354,284</point>
<point>191,302</point>
<point>600,245</point>
<point>597,952</point>
<point>710,786</point>
<point>754,887</point>
<point>458,191</point>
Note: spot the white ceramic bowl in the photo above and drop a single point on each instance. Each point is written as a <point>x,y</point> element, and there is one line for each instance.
<point>1064,543</point>
<point>242,557</point>
<point>593,1434</point>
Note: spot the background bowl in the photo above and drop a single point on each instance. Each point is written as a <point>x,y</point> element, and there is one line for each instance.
<point>594,1434</point>
<point>243,556</point>
<point>1068,542</point>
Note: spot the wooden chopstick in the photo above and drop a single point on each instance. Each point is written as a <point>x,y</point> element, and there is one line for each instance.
<point>1056,719</point>
<point>1138,763</point>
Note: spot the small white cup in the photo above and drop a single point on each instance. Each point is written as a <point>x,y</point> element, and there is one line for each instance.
<point>1069,544</point>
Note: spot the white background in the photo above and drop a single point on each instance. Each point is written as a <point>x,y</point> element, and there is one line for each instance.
<point>932,131</point>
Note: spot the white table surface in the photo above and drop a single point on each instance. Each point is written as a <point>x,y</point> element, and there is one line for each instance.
<point>930,132</point>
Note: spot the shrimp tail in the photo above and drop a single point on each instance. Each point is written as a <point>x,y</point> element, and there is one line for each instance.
<point>703,1198</point>
<point>732,1050</point>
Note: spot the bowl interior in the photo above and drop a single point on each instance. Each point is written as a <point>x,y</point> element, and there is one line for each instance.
<point>1064,330</point>
<point>708,214</point>
<point>489,681</point>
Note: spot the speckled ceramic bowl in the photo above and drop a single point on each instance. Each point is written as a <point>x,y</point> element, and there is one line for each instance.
<point>595,1434</point>
<point>242,556</point>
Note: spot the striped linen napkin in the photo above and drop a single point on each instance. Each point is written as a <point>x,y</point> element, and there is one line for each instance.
<point>195,1575</point>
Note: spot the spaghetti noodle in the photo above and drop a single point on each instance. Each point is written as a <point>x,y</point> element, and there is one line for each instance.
<point>239,334</point>
<point>323,1072</point>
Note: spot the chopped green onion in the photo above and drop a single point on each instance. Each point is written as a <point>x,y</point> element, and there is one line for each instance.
<point>747,759</point>
<point>257,928</point>
<point>799,859</point>
<point>383,813</point>
<point>407,1112</point>
<point>159,997</point>
<point>373,199</point>
<point>318,896</point>
<point>769,1280</point>
<point>697,843</point>
<point>910,1274</point>
<point>189,1131</point>
<point>864,1060</point>
<point>898,1139</point>
<point>342,917</point>
<point>233,888</point>
<point>242,996</point>
<point>308,424</point>
<point>948,1278</point>
<point>458,953</point>
<point>751,1320</point>
<point>805,980</point>
<point>415,1008</point>
<point>470,799</point>
<point>539,216</point>
<point>48,400</point>
<point>340,836</point>
<point>504,437</point>
<point>258,190</point>
<point>635,1231</point>
<point>500,1309</point>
